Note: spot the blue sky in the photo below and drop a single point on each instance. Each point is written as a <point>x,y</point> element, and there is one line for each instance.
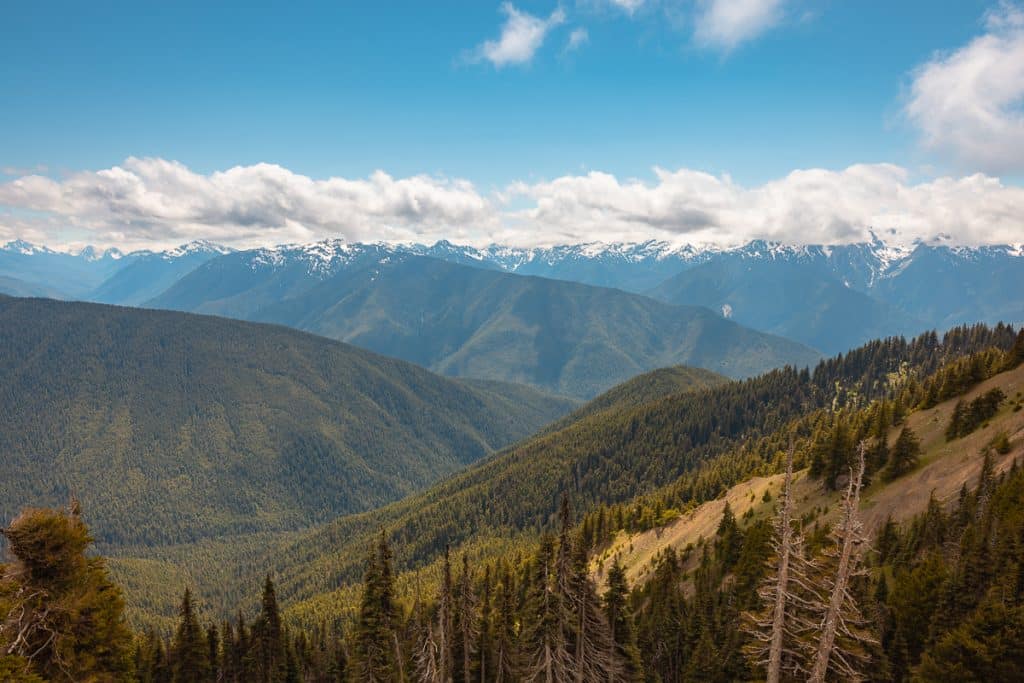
<point>344,89</point>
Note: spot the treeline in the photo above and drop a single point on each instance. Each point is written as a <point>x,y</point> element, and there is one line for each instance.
<point>939,598</point>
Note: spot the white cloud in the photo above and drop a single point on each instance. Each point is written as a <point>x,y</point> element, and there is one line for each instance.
<point>968,104</point>
<point>806,206</point>
<point>629,6</point>
<point>724,24</point>
<point>156,203</point>
<point>521,37</point>
<point>577,39</point>
<point>153,201</point>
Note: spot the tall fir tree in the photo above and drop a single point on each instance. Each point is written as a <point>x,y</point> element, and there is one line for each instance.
<point>378,656</point>
<point>190,658</point>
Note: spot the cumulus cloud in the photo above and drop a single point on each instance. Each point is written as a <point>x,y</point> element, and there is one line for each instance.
<point>806,206</point>
<point>968,104</point>
<point>521,37</point>
<point>725,24</point>
<point>156,203</point>
<point>153,201</point>
<point>577,39</point>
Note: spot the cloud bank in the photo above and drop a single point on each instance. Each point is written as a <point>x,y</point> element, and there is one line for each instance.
<point>969,104</point>
<point>154,203</point>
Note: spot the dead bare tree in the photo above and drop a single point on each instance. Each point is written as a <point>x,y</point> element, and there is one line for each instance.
<point>788,594</point>
<point>467,619</point>
<point>434,662</point>
<point>840,646</point>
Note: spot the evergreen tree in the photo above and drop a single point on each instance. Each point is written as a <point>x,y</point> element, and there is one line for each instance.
<point>63,616</point>
<point>547,617</point>
<point>190,659</point>
<point>378,658</point>
<point>467,629</point>
<point>729,538</point>
<point>620,621</point>
<point>506,655</point>
<point>269,637</point>
<point>905,454</point>
<point>956,421</point>
<point>213,650</point>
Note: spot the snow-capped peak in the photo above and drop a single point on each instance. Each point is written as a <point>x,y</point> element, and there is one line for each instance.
<point>25,248</point>
<point>196,247</point>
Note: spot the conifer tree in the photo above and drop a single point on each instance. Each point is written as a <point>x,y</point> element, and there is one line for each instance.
<point>905,454</point>
<point>213,650</point>
<point>547,621</point>
<point>435,661</point>
<point>620,622</point>
<point>64,617</point>
<point>378,658</point>
<point>729,540</point>
<point>190,659</point>
<point>956,421</point>
<point>484,646</point>
<point>269,637</point>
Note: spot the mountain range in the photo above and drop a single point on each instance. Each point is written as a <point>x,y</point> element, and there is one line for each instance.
<point>887,289</point>
<point>563,337</point>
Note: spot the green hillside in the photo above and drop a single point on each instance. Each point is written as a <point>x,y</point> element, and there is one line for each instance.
<point>645,388</point>
<point>173,427</point>
<point>603,459</point>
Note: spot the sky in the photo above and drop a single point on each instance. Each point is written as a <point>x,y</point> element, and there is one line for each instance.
<point>149,124</point>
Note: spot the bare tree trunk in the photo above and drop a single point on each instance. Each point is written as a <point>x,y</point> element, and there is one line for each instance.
<point>850,535</point>
<point>782,585</point>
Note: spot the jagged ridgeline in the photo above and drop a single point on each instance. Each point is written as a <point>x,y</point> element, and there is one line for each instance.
<point>173,427</point>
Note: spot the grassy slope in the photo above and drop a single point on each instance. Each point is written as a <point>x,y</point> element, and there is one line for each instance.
<point>944,467</point>
<point>173,427</point>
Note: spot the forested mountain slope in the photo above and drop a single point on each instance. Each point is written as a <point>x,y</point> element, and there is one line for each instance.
<point>645,388</point>
<point>173,427</point>
<point>604,459</point>
<point>943,468</point>
<point>562,337</point>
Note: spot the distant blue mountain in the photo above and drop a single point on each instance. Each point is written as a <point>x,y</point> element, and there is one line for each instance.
<point>828,297</point>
